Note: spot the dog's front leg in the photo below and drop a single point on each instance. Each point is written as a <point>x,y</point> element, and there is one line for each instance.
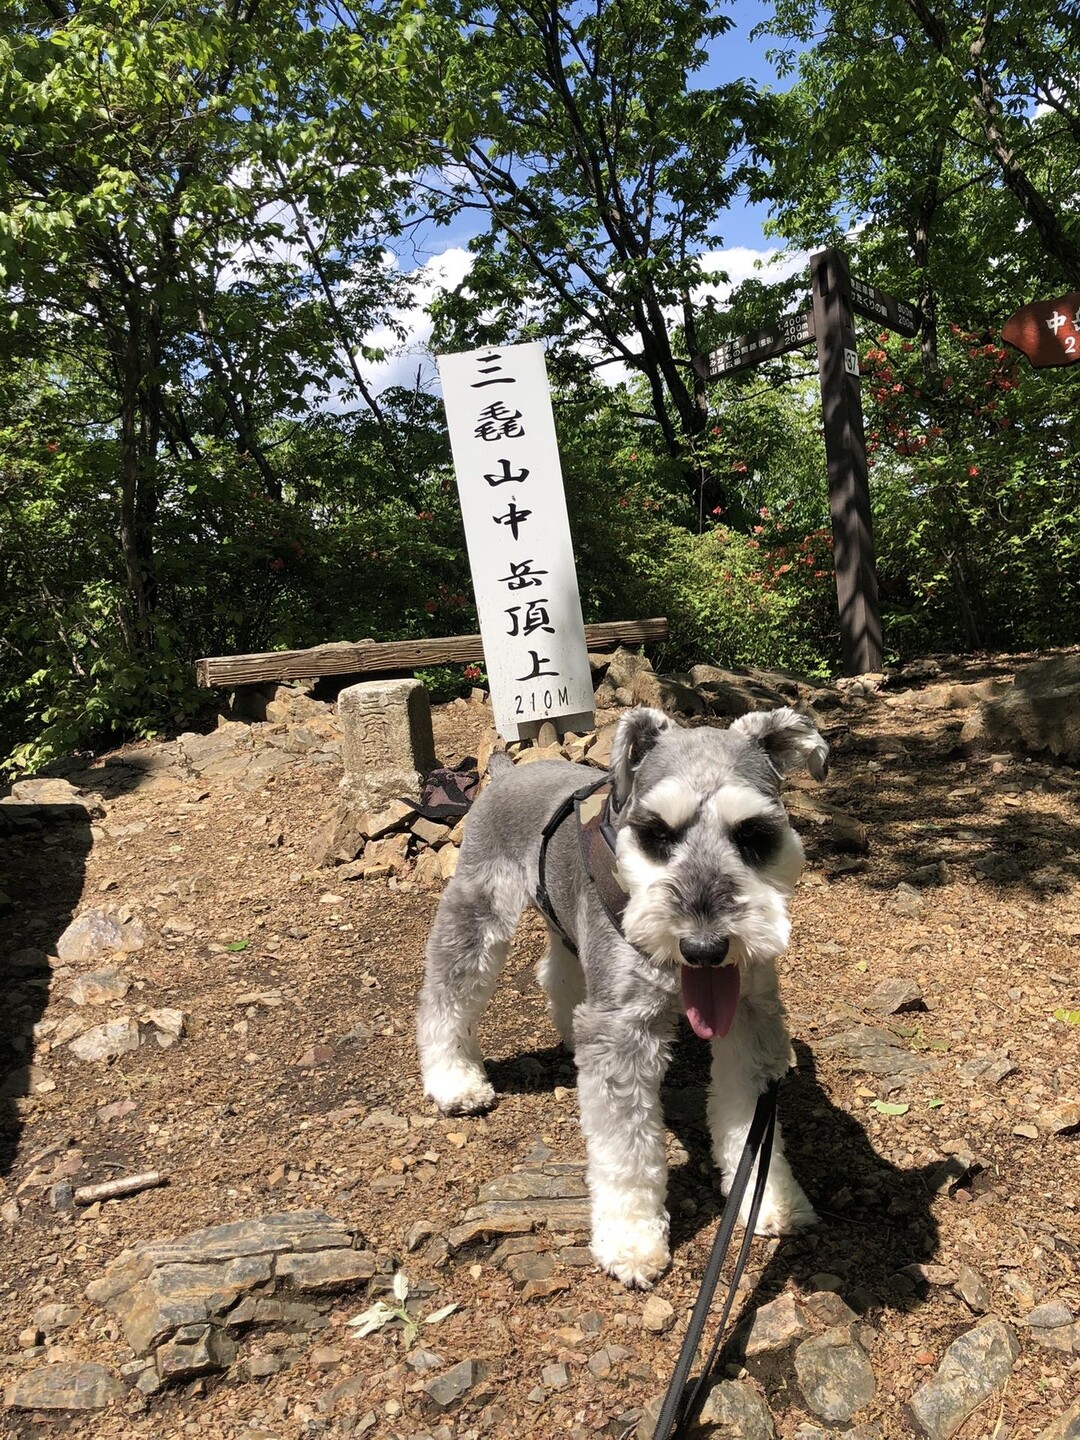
<point>620,1066</point>
<point>755,1050</point>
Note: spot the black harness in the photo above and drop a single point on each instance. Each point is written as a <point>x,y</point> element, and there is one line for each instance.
<point>593,805</point>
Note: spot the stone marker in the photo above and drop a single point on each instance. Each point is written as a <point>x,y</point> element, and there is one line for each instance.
<point>387,745</point>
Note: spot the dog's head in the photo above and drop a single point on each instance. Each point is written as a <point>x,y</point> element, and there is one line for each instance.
<point>704,846</point>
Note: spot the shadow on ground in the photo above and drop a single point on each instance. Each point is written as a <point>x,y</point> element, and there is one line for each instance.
<point>43,852</point>
<point>876,1218</point>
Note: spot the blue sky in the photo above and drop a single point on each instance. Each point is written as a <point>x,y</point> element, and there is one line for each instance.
<point>441,255</point>
<point>738,57</point>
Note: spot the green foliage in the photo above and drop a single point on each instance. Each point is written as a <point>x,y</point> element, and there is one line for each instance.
<point>206,222</point>
<point>976,493</point>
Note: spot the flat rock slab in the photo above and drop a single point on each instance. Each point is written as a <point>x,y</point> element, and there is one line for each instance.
<point>554,1195</point>
<point>534,1185</point>
<point>834,1374</point>
<point>176,1295</point>
<point>878,1053</point>
<point>975,1365</point>
<point>174,1298</point>
<point>67,1385</point>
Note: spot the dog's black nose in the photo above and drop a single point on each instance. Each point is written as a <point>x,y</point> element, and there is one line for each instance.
<point>704,949</point>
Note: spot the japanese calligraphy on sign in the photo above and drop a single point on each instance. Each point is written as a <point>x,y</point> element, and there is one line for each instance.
<point>789,333</point>
<point>878,304</point>
<point>506,458</point>
<point>1046,331</point>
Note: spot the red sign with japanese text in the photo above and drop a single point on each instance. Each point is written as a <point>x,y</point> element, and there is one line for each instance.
<point>1046,331</point>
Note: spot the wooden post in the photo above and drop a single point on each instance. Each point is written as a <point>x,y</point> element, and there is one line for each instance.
<point>845,451</point>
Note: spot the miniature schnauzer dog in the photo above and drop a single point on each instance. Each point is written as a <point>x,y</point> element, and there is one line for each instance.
<point>705,861</point>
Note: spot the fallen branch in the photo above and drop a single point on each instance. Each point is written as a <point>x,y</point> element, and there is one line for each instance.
<point>123,1185</point>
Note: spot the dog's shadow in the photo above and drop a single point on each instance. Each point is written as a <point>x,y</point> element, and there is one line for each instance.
<point>876,1217</point>
<point>533,1072</point>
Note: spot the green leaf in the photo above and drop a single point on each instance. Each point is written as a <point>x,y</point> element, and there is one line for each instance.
<point>1070,1017</point>
<point>890,1107</point>
<point>237,946</point>
<point>934,1104</point>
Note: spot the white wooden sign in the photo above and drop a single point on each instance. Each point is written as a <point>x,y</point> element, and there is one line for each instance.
<point>506,458</point>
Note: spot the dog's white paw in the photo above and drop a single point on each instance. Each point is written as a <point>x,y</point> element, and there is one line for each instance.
<point>784,1212</point>
<point>459,1089</point>
<point>634,1251</point>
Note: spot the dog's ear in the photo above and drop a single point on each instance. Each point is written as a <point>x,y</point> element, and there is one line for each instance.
<point>635,735</point>
<point>788,739</point>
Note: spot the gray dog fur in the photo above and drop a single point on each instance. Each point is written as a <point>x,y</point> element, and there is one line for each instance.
<point>709,859</point>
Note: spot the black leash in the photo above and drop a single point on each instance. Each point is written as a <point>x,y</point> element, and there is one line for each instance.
<point>677,1410</point>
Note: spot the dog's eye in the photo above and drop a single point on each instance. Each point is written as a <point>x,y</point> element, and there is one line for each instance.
<point>757,839</point>
<point>656,839</point>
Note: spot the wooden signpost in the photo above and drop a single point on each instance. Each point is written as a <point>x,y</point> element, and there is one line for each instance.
<point>506,458</point>
<point>837,298</point>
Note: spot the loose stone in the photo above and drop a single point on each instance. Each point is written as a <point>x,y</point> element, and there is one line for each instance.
<point>834,1374</point>
<point>67,1385</point>
<point>776,1326</point>
<point>658,1315</point>
<point>736,1409</point>
<point>452,1385</point>
<point>971,1288</point>
<point>974,1366</point>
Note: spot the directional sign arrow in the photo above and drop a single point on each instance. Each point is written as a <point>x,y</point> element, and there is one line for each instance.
<point>1046,331</point>
<point>875,304</point>
<point>790,333</point>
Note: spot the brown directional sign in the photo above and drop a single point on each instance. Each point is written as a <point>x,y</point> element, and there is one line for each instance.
<point>747,351</point>
<point>1046,331</point>
<point>877,304</point>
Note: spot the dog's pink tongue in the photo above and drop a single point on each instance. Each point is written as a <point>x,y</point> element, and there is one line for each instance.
<point>710,994</point>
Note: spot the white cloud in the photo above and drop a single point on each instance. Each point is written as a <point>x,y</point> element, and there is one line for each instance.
<point>740,263</point>
<point>447,270</point>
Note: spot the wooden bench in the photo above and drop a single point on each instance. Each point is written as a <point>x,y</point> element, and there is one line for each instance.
<point>370,657</point>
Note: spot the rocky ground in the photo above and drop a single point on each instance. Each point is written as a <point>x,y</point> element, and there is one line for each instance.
<point>232,1022</point>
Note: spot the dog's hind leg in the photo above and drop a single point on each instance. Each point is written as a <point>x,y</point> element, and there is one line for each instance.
<point>755,1050</point>
<point>561,975</point>
<point>466,950</point>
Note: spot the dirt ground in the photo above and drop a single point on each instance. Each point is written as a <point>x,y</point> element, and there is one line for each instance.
<point>985,851</point>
